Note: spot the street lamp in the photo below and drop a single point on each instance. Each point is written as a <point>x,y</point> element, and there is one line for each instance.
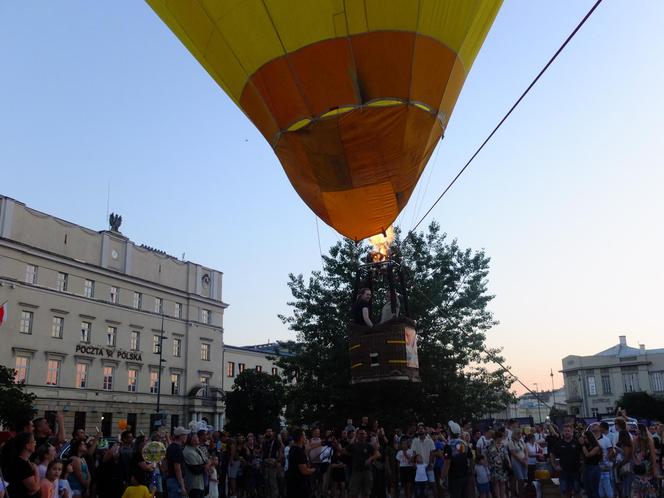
<point>553,391</point>
<point>539,412</point>
<point>158,422</point>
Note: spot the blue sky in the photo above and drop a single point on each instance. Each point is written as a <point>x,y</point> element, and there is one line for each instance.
<point>566,199</point>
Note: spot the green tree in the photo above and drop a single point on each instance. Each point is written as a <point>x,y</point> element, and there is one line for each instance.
<point>643,405</point>
<point>15,403</point>
<point>447,292</point>
<point>255,402</point>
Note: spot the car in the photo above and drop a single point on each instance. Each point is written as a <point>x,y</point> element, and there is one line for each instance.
<point>631,425</point>
<point>105,442</point>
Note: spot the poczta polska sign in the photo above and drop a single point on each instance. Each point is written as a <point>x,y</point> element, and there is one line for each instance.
<point>109,352</point>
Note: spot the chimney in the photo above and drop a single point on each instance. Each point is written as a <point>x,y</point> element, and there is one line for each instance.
<point>623,340</point>
<point>642,347</point>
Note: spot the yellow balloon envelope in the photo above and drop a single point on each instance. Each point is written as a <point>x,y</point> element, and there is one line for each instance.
<point>352,95</point>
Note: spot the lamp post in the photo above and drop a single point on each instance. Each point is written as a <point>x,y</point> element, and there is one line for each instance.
<point>553,391</point>
<point>539,412</point>
<point>161,360</point>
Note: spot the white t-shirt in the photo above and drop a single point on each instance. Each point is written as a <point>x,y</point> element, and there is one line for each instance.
<point>482,444</point>
<point>423,448</point>
<point>606,444</point>
<point>482,474</point>
<point>64,484</point>
<point>532,453</point>
<point>421,472</point>
<point>405,458</point>
<point>286,451</point>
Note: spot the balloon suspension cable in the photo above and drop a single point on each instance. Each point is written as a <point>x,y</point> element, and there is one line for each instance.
<point>507,115</point>
<point>492,357</point>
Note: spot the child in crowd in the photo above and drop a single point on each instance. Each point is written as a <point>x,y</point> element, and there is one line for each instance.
<point>406,470</point>
<point>482,477</point>
<point>49,486</point>
<point>214,479</point>
<point>64,491</point>
<point>137,489</point>
<point>421,478</point>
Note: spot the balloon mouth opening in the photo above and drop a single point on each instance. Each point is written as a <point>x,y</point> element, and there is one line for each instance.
<point>382,102</point>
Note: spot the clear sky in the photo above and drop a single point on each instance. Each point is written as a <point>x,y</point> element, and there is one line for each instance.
<point>566,200</point>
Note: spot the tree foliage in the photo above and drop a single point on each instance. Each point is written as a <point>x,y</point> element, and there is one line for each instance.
<point>15,403</point>
<point>447,293</point>
<point>255,402</point>
<point>643,405</point>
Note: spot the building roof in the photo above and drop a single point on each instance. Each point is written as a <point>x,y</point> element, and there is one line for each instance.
<point>269,348</point>
<point>620,350</point>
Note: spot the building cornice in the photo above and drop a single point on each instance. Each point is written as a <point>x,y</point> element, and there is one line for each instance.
<point>605,365</point>
<point>109,272</point>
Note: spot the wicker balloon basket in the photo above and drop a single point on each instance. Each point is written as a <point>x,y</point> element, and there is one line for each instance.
<point>385,352</point>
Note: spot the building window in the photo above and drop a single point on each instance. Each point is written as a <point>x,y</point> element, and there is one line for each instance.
<point>81,375</point>
<point>108,379</point>
<point>177,347</point>
<point>132,380</point>
<point>138,300</point>
<point>631,382</point>
<point>205,316</point>
<point>89,288</point>
<point>205,352</point>
<point>52,372</point>
<point>595,412</point>
<point>21,366</point>
<point>240,367</point>
<point>57,327</point>
<point>178,310</point>
<point>134,340</point>
<point>154,381</point>
<point>61,281</point>
<point>259,368</point>
<point>175,383</point>
<point>657,381</point>
<point>111,335</point>
<point>79,420</point>
<point>158,304</point>
<point>606,384</point>
<point>573,388</point>
<point>230,369</point>
<point>274,371</point>
<point>86,328</point>
<point>592,387</point>
<point>205,384</point>
<point>25,326</point>
<point>156,344</point>
<point>30,274</point>
<point>106,424</point>
<point>132,421</point>
<point>113,296</point>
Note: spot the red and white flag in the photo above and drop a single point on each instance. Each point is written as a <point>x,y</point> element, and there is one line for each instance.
<point>3,313</point>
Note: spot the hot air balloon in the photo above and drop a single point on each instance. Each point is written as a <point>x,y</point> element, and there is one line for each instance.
<point>352,95</point>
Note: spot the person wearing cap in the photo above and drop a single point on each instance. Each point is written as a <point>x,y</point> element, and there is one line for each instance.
<point>175,461</point>
<point>458,458</point>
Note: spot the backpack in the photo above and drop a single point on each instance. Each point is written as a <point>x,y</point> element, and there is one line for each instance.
<point>459,455</point>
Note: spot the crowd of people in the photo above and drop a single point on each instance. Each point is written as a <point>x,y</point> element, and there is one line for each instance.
<point>362,461</point>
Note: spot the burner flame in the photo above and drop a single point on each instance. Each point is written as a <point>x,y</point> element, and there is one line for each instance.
<point>381,245</point>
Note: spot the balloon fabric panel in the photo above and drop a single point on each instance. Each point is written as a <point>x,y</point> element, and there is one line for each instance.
<point>353,95</point>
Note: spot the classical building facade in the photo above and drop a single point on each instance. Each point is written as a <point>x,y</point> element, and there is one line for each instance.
<point>104,329</point>
<point>596,383</point>
<point>261,357</point>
